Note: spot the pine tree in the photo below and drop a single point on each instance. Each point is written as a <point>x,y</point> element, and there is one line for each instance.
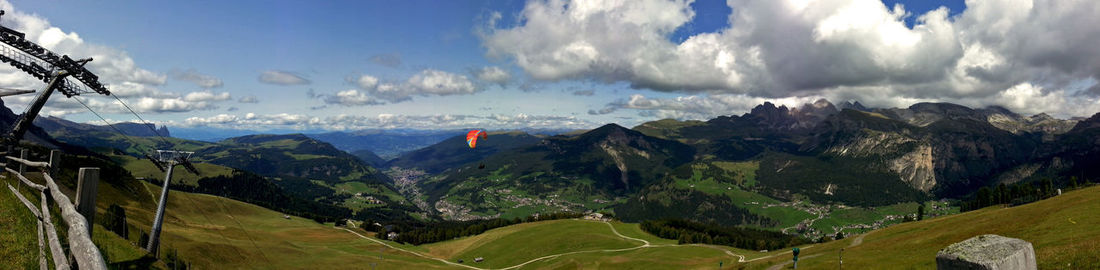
<point>920,212</point>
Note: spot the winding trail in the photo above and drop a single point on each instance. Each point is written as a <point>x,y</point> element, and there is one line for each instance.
<point>411,252</point>
<point>645,244</point>
<point>858,240</point>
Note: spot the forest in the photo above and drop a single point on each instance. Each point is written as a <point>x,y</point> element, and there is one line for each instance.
<point>691,232</point>
<point>424,233</point>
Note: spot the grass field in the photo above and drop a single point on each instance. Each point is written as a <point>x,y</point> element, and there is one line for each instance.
<point>18,233</point>
<point>537,239</point>
<point>1062,229</point>
<point>786,216</point>
<point>217,233</point>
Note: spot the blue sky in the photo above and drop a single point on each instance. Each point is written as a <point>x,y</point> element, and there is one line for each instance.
<point>409,46</point>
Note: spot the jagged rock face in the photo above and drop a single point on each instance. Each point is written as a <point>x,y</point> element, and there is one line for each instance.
<point>924,114</point>
<point>852,105</point>
<point>916,168</point>
<point>1041,123</point>
<point>783,118</point>
<point>872,143</point>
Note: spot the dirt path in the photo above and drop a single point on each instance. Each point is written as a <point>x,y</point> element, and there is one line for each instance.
<point>411,252</point>
<point>858,240</point>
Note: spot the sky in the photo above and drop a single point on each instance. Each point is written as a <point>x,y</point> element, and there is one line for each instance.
<point>350,65</point>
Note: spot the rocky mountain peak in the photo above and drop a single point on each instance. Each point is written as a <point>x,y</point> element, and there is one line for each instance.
<point>854,105</point>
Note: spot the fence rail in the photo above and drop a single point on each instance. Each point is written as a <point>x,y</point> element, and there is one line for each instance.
<point>85,254</point>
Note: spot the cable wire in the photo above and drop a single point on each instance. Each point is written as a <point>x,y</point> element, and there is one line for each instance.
<point>166,182</point>
<point>142,120</point>
<point>124,136</point>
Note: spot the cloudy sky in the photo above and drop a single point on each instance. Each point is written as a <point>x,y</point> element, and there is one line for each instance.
<point>555,64</point>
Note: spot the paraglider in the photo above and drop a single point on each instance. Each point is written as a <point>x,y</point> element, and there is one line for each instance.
<point>471,137</point>
<point>471,140</point>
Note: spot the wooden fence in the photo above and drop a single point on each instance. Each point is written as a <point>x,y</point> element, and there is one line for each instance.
<point>84,254</point>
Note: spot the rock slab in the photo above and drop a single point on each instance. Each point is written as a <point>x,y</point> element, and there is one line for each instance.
<point>987,252</point>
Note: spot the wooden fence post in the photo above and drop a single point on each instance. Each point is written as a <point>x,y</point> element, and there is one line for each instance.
<point>55,162</point>
<point>22,155</point>
<point>87,183</point>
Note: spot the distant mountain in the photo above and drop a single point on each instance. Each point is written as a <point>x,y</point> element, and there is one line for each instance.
<point>301,166</point>
<point>453,152</point>
<point>291,155</point>
<point>387,144</point>
<point>55,124</point>
<point>589,169</point>
<point>35,134</point>
<point>923,114</point>
<point>210,134</point>
<point>370,158</point>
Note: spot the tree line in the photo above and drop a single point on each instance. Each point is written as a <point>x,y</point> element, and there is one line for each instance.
<point>1015,194</point>
<point>423,233</point>
<point>691,232</point>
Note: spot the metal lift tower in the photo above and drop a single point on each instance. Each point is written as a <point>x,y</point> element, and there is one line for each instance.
<point>165,161</point>
<point>48,67</point>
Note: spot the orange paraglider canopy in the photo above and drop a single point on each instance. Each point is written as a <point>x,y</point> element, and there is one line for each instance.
<point>471,137</point>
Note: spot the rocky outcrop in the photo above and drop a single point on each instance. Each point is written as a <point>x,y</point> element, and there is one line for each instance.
<point>916,168</point>
<point>987,252</point>
<point>870,143</point>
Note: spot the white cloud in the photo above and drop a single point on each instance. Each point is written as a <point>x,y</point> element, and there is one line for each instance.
<point>428,82</point>
<point>156,105</point>
<point>493,75</point>
<point>387,121</point>
<point>350,97</point>
<point>202,80</point>
<point>697,107</point>
<point>857,49</point>
<point>367,82</point>
<point>249,99</point>
<point>206,96</point>
<point>278,77</point>
<point>442,83</point>
<point>116,69</point>
<point>110,64</point>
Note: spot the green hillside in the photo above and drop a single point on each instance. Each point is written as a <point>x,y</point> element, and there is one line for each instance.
<point>1062,230</point>
<point>449,154</point>
<point>214,232</point>
<point>588,171</point>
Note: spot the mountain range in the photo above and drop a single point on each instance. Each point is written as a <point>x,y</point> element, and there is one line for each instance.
<point>826,153</point>
<point>820,152</point>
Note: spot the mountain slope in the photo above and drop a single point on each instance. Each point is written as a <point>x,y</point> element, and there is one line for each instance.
<point>559,173</point>
<point>303,167</point>
<point>1060,228</point>
<point>312,169</point>
<point>454,151</point>
<point>370,158</point>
